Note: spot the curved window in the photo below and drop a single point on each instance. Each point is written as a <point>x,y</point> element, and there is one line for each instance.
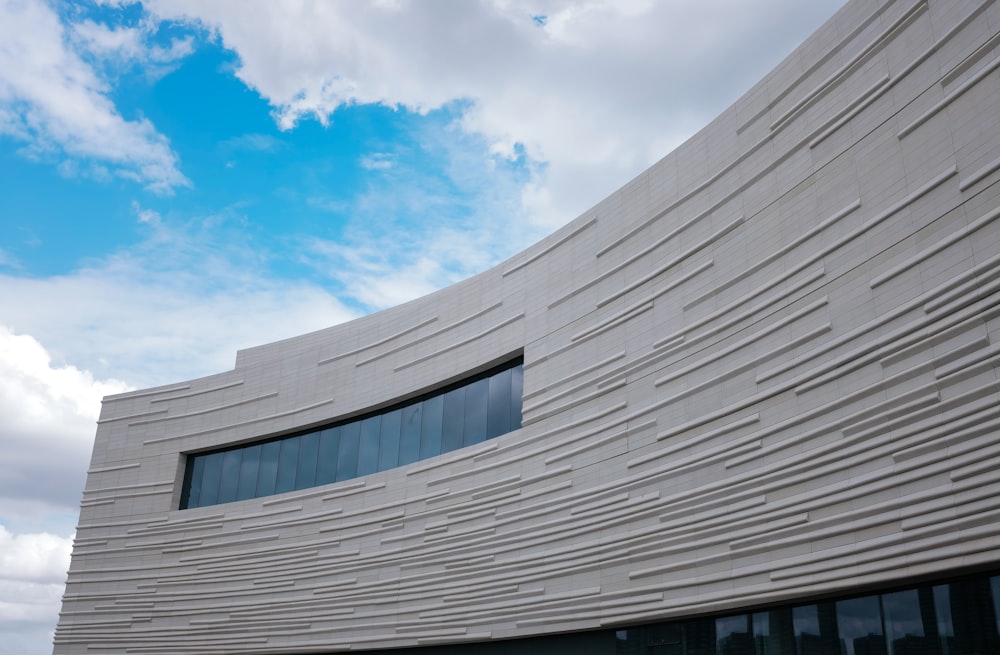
<point>474,410</point>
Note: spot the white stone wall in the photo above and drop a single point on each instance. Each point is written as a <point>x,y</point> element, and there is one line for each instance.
<point>764,369</point>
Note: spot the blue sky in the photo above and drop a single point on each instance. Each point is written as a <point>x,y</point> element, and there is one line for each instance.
<point>181,179</point>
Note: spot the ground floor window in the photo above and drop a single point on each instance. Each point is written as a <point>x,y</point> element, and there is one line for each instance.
<point>961,617</point>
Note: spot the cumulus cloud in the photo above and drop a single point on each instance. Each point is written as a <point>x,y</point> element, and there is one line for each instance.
<point>57,105</point>
<point>39,558</point>
<point>49,411</point>
<point>597,89</point>
<point>32,572</point>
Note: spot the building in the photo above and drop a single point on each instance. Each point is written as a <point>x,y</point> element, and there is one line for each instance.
<point>748,403</point>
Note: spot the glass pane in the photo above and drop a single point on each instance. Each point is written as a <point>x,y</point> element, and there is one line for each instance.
<point>268,473</point>
<point>453,422</point>
<point>430,427</point>
<point>995,588</point>
<point>904,625</point>
<point>942,611</point>
<point>734,635</point>
<point>774,631</point>
<point>230,475</point>
<point>516,389</point>
<point>859,624</point>
<point>475,412</point>
<point>192,484</point>
<point>388,450</point>
<point>211,479</point>
<point>249,468</point>
<point>816,629</point>
<point>288,462</point>
<point>409,438</point>
<point>805,621</point>
<point>305,474</point>
<point>972,617</point>
<point>699,637</point>
<point>347,460</point>
<point>663,639</point>
<point>329,451</point>
<point>368,450</point>
<point>498,405</point>
<point>626,642</point>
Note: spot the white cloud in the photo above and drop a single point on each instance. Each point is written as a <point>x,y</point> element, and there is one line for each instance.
<point>49,411</point>
<point>49,417</point>
<point>147,216</point>
<point>32,572</point>
<point>55,102</point>
<point>38,558</point>
<point>128,44</point>
<point>377,161</point>
<point>177,306</point>
<point>598,91</point>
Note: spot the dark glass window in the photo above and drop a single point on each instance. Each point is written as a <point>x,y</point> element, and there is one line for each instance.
<point>192,485</point>
<point>957,618</point>
<point>305,472</point>
<point>476,397</point>
<point>498,405</point>
<point>230,481</point>
<point>466,413</point>
<point>371,428</point>
<point>430,430</point>
<point>409,438</point>
<point>329,452</point>
<point>347,461</point>
<point>268,475</point>
<point>388,448</point>
<point>249,468</point>
<point>211,477</point>
<point>859,626</point>
<point>453,423</point>
<point>288,461</point>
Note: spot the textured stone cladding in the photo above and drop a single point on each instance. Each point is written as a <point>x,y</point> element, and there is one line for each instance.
<point>763,370</point>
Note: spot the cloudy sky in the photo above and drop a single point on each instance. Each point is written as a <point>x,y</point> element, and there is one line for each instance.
<point>180,179</point>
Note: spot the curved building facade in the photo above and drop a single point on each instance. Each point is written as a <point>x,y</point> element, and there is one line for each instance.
<point>749,404</point>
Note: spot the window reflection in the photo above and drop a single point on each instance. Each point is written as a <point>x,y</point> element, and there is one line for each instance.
<point>958,618</point>
<point>249,468</point>
<point>230,480</point>
<point>409,438</point>
<point>466,414</point>
<point>329,453</point>
<point>453,423</point>
<point>305,472</point>
<point>288,461</point>
<point>430,432</point>
<point>368,451</point>
<point>268,472</point>
<point>347,459</point>
<point>388,450</point>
